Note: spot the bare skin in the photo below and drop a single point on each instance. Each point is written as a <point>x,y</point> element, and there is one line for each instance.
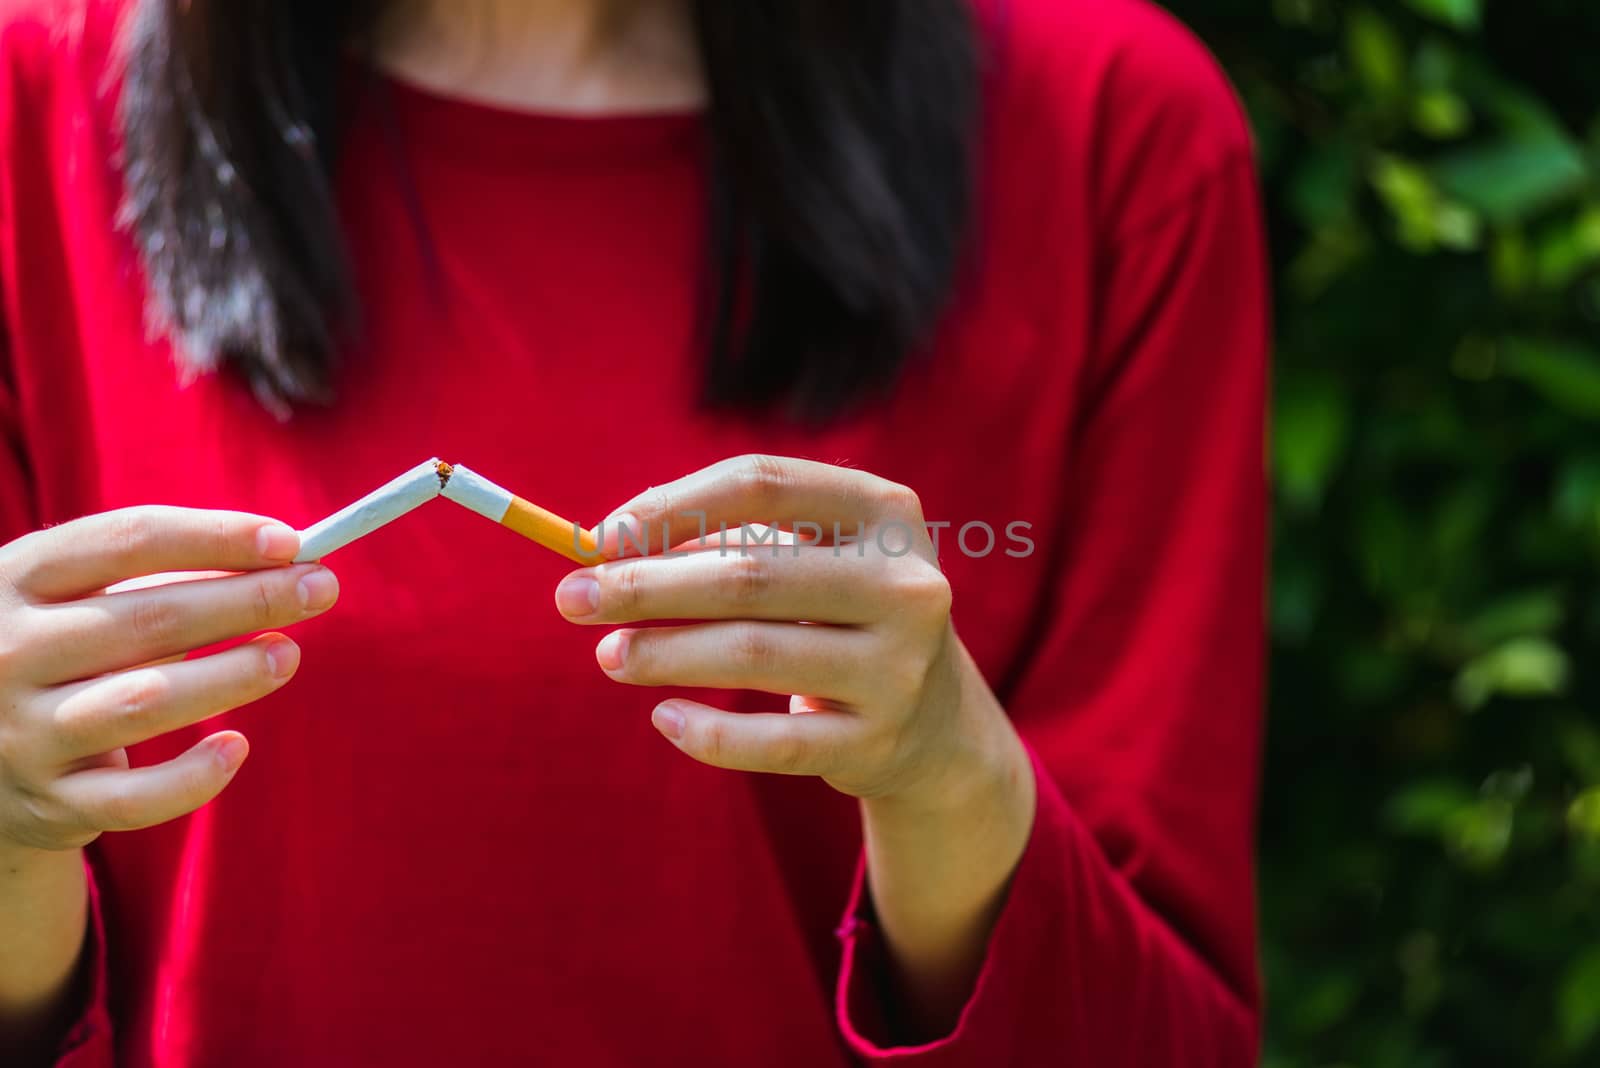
<point>573,56</point>
<point>886,705</point>
<point>84,673</point>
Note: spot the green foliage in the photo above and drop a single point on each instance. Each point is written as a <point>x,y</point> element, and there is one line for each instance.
<point>1430,869</point>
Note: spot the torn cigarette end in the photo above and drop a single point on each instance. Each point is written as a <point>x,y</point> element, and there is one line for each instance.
<point>472,491</point>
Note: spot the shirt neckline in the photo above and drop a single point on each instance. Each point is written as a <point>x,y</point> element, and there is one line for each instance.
<point>465,127</point>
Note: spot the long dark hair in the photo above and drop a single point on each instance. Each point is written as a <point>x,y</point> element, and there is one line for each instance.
<point>842,136</point>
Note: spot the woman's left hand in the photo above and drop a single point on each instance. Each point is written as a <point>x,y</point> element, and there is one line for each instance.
<point>852,620</point>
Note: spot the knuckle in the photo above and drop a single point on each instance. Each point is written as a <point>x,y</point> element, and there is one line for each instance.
<point>116,811</point>
<point>903,673</point>
<point>222,537</point>
<point>925,588</point>
<point>130,530</point>
<point>902,500</point>
<point>626,588</point>
<point>139,695</point>
<point>10,581</point>
<point>658,504</point>
<point>881,771</point>
<point>268,601</point>
<point>764,478</point>
<point>881,747</point>
<point>749,578</point>
<point>714,743</point>
<point>153,618</point>
<point>196,785</point>
<point>642,665</point>
<point>752,646</point>
<point>787,754</point>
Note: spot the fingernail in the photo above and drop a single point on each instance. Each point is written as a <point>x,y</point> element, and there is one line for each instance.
<point>231,753</point>
<point>668,720</point>
<point>318,589</point>
<point>282,658</point>
<point>578,595</point>
<point>622,531</point>
<point>612,650</point>
<point>277,542</point>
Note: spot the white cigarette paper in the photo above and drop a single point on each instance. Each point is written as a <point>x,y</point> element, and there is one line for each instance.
<point>472,491</point>
<point>382,506</point>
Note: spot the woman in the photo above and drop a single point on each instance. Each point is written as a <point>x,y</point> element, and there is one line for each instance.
<point>989,274</point>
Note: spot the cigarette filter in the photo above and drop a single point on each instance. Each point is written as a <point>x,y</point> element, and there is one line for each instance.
<point>383,505</point>
<point>472,491</point>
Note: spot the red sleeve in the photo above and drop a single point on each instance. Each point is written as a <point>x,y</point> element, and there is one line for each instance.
<point>25,32</point>
<point>1128,934</point>
<point>88,1042</point>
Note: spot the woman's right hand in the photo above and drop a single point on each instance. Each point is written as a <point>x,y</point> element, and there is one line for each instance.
<point>86,672</point>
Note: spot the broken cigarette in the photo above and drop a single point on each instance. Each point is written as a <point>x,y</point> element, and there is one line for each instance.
<point>471,490</point>
<point>467,488</point>
<point>382,506</point>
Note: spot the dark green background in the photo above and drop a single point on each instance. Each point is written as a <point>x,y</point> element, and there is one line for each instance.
<point>1430,837</point>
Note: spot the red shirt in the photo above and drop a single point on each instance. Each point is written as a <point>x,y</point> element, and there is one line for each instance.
<point>456,841</point>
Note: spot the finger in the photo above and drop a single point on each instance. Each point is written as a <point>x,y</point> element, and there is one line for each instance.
<point>133,706</point>
<point>90,554</point>
<point>813,583</point>
<point>126,799</point>
<point>102,634</point>
<point>164,578</point>
<point>743,537</point>
<point>815,743</point>
<point>782,658</point>
<point>756,489</point>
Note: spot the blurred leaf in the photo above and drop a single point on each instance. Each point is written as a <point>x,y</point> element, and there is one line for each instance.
<point>1429,807</point>
<point>1523,667</point>
<point>1580,749</point>
<point>1454,227</point>
<point>1579,1006</point>
<point>1441,114</point>
<point>1577,495</point>
<point>1376,52</point>
<point>1321,186</point>
<point>1531,612</point>
<point>1583,814</point>
<point>1568,249</point>
<point>1567,374</point>
<point>1424,219</point>
<point>1509,179</point>
<point>1462,14</point>
<point>1480,835</point>
<point>1332,251</point>
<point>1309,430</point>
<point>1512,262</point>
<point>1296,594</point>
<point>1411,198</point>
<point>1508,784</point>
<point>1326,1003</point>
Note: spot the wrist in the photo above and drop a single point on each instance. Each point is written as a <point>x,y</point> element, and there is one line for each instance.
<point>17,858</point>
<point>979,765</point>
